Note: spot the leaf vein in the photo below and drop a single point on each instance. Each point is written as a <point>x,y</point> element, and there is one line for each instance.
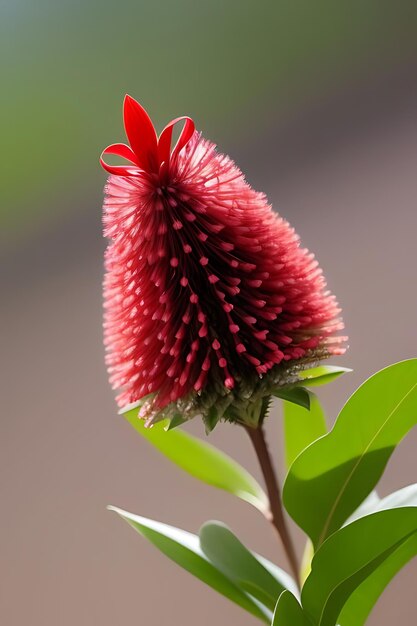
<point>357,464</point>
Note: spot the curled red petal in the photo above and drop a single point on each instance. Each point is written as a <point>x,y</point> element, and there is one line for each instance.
<point>141,134</point>
<point>121,150</point>
<point>164,143</point>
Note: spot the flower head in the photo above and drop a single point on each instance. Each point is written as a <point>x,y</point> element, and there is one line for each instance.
<point>210,302</point>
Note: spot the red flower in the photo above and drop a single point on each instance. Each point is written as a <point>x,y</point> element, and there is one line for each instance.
<point>210,301</point>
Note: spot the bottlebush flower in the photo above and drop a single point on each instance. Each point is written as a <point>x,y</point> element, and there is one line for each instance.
<point>210,302</point>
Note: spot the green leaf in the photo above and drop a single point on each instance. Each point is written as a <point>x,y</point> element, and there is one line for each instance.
<point>302,427</point>
<point>242,566</point>
<point>184,549</point>
<point>317,376</point>
<point>201,460</point>
<point>360,604</point>
<point>330,478</point>
<point>288,612</point>
<point>305,565</point>
<point>407,496</point>
<point>352,557</point>
<point>296,395</point>
<point>368,506</point>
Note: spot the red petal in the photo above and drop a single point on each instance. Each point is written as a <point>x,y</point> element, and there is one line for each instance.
<point>141,134</point>
<point>164,143</point>
<point>121,150</point>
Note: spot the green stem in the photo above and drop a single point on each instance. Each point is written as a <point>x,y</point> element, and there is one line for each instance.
<point>276,513</point>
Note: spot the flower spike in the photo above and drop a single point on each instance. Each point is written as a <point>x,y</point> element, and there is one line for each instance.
<point>210,302</point>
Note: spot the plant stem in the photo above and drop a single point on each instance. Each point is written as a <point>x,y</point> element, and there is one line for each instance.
<point>276,513</point>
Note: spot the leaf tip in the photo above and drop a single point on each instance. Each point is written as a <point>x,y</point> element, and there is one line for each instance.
<point>115,509</point>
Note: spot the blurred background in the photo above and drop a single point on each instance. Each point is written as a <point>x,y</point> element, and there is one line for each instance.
<point>316,101</point>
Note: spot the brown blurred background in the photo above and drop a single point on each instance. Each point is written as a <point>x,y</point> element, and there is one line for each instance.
<point>317,103</point>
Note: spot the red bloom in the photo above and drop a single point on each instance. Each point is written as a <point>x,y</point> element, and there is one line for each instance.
<point>209,298</point>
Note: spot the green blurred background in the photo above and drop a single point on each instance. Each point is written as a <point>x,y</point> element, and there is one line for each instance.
<point>233,66</point>
<point>317,102</point>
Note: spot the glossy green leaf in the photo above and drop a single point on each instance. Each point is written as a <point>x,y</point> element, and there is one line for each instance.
<point>184,549</point>
<point>360,604</point>
<point>288,612</point>
<point>302,427</point>
<point>368,506</point>
<point>201,460</point>
<point>295,395</point>
<point>407,496</point>
<point>381,542</point>
<point>321,375</point>
<point>242,566</point>
<point>305,565</point>
<point>330,478</point>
